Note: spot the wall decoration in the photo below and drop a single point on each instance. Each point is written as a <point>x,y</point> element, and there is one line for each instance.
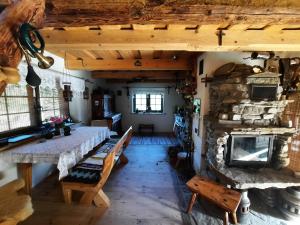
<point>197,106</point>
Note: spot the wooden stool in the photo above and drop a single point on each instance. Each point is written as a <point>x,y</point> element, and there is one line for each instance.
<point>14,207</point>
<point>223,197</point>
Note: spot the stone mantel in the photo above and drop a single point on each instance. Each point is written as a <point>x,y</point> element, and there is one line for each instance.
<point>263,178</point>
<point>264,130</point>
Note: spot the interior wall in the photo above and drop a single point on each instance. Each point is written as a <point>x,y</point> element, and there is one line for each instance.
<point>212,61</point>
<point>80,110</point>
<point>163,123</point>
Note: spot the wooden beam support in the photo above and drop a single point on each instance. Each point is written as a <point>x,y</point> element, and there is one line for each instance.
<point>139,74</point>
<point>62,13</point>
<point>129,81</point>
<point>129,64</point>
<point>4,3</point>
<point>262,40</point>
<point>130,39</point>
<point>235,38</point>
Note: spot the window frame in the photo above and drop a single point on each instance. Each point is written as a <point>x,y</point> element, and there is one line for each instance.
<point>33,118</point>
<point>52,97</point>
<point>33,96</point>
<point>148,104</point>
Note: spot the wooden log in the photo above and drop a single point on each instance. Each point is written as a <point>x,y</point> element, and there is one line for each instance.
<point>62,13</point>
<point>235,38</point>
<point>10,19</point>
<point>12,16</point>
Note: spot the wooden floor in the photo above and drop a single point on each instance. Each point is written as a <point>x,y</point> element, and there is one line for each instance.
<point>142,192</point>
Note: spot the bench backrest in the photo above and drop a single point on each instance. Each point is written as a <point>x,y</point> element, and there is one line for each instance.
<point>108,161</point>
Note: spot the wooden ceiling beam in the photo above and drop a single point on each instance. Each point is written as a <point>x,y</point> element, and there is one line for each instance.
<point>128,64</point>
<point>206,38</point>
<point>129,81</point>
<point>62,13</point>
<point>138,74</point>
<point>129,39</point>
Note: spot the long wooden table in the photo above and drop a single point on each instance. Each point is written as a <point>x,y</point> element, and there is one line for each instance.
<point>65,151</point>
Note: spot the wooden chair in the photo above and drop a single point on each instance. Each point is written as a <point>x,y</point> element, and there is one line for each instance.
<point>14,207</point>
<point>225,198</point>
<point>93,192</point>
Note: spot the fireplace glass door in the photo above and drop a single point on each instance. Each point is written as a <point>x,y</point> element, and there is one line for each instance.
<point>250,150</point>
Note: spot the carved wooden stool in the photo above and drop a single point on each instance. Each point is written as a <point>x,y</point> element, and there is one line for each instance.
<point>225,198</point>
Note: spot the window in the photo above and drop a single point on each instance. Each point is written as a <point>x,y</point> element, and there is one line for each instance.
<point>15,108</point>
<point>152,103</point>
<point>49,102</point>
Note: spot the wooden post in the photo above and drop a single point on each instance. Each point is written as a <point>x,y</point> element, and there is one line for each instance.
<point>191,203</point>
<point>25,170</point>
<point>18,12</point>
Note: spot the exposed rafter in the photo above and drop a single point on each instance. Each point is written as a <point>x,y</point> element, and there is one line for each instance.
<point>129,64</point>
<point>62,13</point>
<point>139,74</point>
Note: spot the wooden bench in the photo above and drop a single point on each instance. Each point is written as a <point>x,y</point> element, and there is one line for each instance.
<point>146,127</point>
<point>92,192</point>
<point>225,198</point>
<point>14,207</point>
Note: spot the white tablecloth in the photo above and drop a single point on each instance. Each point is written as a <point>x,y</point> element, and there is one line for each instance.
<point>65,151</point>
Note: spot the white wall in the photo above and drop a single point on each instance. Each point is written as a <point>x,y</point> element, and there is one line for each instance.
<point>212,61</point>
<point>80,110</point>
<point>162,122</point>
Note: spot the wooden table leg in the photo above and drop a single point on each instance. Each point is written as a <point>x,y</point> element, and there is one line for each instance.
<point>225,219</point>
<point>25,170</point>
<point>191,203</point>
<point>234,218</point>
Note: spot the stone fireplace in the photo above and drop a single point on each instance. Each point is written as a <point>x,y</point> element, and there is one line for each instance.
<point>244,127</point>
<point>246,140</point>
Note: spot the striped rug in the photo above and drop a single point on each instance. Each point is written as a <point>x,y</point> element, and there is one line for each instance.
<point>153,140</point>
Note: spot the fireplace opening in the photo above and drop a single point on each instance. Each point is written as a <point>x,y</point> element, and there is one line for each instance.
<point>249,150</point>
<point>263,92</point>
